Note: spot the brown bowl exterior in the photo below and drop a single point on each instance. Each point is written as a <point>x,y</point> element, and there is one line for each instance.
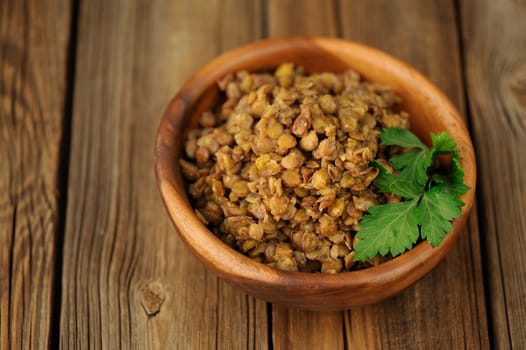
<point>430,111</point>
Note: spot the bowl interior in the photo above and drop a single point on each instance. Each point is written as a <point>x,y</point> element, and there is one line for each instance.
<point>430,112</point>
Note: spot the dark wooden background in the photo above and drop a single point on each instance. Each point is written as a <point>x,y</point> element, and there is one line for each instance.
<point>88,258</point>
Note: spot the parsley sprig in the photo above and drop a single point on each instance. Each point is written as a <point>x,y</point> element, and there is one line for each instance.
<point>430,197</point>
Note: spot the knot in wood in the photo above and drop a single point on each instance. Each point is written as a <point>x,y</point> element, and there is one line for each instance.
<point>152,297</point>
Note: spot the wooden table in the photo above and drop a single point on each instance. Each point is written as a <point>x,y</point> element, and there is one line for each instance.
<point>88,257</point>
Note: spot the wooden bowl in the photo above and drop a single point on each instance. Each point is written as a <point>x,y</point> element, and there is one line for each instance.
<point>430,111</point>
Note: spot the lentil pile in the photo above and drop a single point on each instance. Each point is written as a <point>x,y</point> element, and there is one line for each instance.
<point>280,169</point>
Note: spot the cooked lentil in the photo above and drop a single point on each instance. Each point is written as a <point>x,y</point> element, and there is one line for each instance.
<point>280,170</point>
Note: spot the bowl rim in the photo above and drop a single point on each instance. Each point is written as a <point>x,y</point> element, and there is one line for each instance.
<point>240,269</point>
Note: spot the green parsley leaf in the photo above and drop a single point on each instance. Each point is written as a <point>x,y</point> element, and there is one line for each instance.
<point>430,198</point>
<point>415,164</point>
<point>435,210</point>
<point>452,183</point>
<point>439,178</point>
<point>401,137</point>
<point>405,159</point>
<point>387,182</point>
<point>389,228</point>
<point>443,143</point>
<point>456,176</point>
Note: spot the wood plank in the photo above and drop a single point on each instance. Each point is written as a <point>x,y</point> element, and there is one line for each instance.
<point>128,280</point>
<point>298,329</point>
<point>446,309</point>
<point>293,328</point>
<point>33,67</point>
<point>309,17</point>
<point>495,65</point>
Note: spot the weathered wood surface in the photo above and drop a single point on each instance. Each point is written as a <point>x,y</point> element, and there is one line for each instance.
<point>446,309</point>
<point>127,280</point>
<point>494,41</point>
<point>425,35</point>
<point>33,69</point>
<point>286,18</point>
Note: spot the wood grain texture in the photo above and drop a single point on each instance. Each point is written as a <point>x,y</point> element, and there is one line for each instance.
<point>299,18</point>
<point>495,68</point>
<point>33,55</point>
<point>128,281</point>
<point>297,329</point>
<point>292,328</point>
<point>447,308</point>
